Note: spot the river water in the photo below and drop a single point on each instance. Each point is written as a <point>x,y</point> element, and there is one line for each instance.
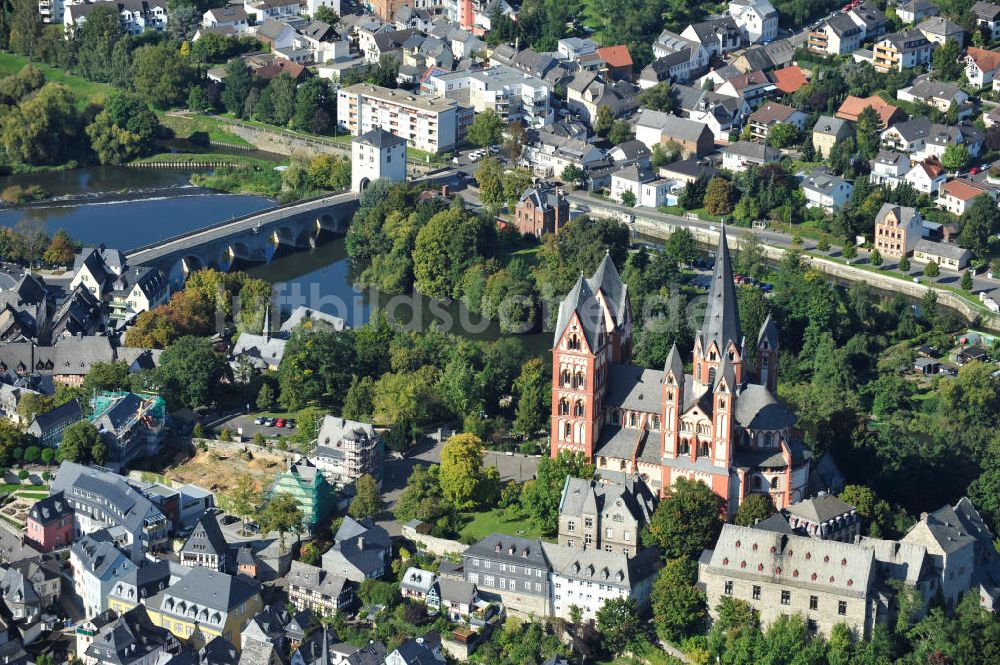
<point>320,278</point>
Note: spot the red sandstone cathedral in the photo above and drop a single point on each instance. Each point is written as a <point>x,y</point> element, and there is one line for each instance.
<point>722,425</point>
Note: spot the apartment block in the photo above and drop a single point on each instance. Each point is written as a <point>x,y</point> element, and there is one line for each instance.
<point>510,93</point>
<point>429,123</point>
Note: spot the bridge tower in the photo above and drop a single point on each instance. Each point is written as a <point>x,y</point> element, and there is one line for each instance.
<point>377,154</point>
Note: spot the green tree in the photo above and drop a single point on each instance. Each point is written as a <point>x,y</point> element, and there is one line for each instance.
<point>979,222</point>
<point>719,197</point>
<point>618,624</point>
<point>540,497</point>
<point>461,470</point>
<point>679,609</point>
<point>486,129</point>
<point>681,246</point>
<point>904,263</point>
<point>95,41</point>
<point>604,121</point>
<point>755,507</point>
<point>687,521</point>
<point>868,133</point>
<point>850,250</point>
<point>124,130</point>
<point>25,27</point>
<point>628,198</point>
<point>43,128</point>
<point>160,75</point>
<point>237,86</point>
<point>955,156</point>
<point>572,175</point>
<point>110,376</point>
<point>367,501</point>
<point>620,132</point>
<point>932,270</point>
<point>873,510</point>
<point>244,498</point>
<point>282,514</point>
<point>659,97</point>
<point>191,371</point>
<point>783,134</point>
<point>81,443</point>
<point>317,368</point>
<point>61,249</point>
<point>967,281</point>
<point>265,397</point>
<point>489,177</point>
<point>875,258</point>
<point>533,392</point>
<point>946,61</point>
<point>315,106</point>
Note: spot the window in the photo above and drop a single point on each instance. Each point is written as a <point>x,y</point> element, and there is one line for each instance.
<point>609,533</point>
<point>588,522</point>
<point>786,597</point>
<point>563,407</point>
<point>503,582</point>
<point>756,592</point>
<point>842,607</point>
<point>811,625</point>
<point>578,408</point>
<point>486,564</point>
<point>538,586</point>
<point>729,587</point>
<point>488,580</point>
<point>813,602</point>
<point>628,536</point>
<point>631,419</point>
<point>775,483</point>
<point>588,539</point>
<point>571,526</point>
<point>568,431</point>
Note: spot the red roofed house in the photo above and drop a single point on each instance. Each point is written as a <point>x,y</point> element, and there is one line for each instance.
<point>981,66</point>
<point>618,61</point>
<point>853,106</point>
<point>927,176</point>
<point>279,67</point>
<point>957,195</point>
<point>771,114</point>
<point>789,79</point>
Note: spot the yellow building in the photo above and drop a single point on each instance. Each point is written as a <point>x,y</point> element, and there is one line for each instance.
<point>203,605</point>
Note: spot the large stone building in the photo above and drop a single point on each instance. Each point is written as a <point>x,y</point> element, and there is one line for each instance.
<point>721,425</point>
<point>604,515</point>
<point>898,229</point>
<point>347,450</point>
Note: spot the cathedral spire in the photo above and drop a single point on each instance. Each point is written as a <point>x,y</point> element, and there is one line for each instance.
<point>722,317</point>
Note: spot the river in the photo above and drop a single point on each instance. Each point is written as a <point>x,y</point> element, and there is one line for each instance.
<point>320,278</point>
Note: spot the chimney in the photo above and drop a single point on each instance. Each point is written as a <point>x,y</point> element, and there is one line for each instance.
<point>361,542</point>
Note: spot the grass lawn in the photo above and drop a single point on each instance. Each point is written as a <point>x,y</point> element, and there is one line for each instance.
<point>186,125</point>
<point>202,158</point>
<point>480,525</point>
<point>88,91</point>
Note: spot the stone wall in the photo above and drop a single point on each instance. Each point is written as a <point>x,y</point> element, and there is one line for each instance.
<point>436,546</point>
<point>657,228</point>
<point>235,448</point>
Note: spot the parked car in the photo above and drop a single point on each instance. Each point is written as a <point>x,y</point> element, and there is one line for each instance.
<point>259,420</point>
<point>280,423</point>
<point>269,422</point>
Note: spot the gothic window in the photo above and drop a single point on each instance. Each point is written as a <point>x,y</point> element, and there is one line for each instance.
<point>566,378</point>
<point>568,431</point>
<point>670,395</point>
<point>703,449</point>
<point>563,407</point>
<point>578,408</point>
<point>711,356</point>
<point>711,376</point>
<point>578,381</point>
<point>574,342</point>
<point>685,447</point>
<point>631,420</point>
<point>775,483</point>
<point>732,356</point>
<point>769,439</point>
<point>764,361</point>
<point>656,422</point>
<point>722,402</point>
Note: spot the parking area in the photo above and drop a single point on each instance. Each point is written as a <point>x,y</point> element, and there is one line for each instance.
<point>249,425</point>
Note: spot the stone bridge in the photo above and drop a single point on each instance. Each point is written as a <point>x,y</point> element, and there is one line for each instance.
<point>255,238</point>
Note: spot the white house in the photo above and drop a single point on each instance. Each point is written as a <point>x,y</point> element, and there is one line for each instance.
<point>376,155</point>
<point>926,177</point>
<point>957,195</point>
<point>739,156</point>
<point>648,190</point>
<point>988,16</point>
<point>96,565</point>
<point>758,19</point>
<point>981,66</point>
<point>825,190</point>
<point>889,168</point>
<point>588,578</point>
<point>233,17</point>
<point>263,10</point>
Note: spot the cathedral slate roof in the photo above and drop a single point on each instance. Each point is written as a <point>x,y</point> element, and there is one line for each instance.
<point>722,321</point>
<point>634,388</point>
<point>758,409</point>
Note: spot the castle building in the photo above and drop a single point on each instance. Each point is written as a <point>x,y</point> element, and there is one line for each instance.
<point>721,424</point>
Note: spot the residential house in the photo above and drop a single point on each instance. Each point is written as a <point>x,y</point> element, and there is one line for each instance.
<point>739,156</point>
<point>308,486</point>
<point>316,589</point>
<point>941,136</point>
<point>48,427</point>
<point>604,515</point>
<point>871,20</point>
<point>758,19</point>
<point>852,107</point>
<point>658,128</point>
<point>508,92</point>
<point>649,190</point>
<point>424,650</point>
<point>588,578</point>
<point>947,255</point>
<point>828,132</point>
<point>417,583</point>
<point>455,599</point>
<point>101,499</point>
<point>549,153</point>
<point>939,30</point>
<point>936,94</point>
<point>982,67</point>
<point>232,17</point>
<point>130,424</point>
<point>717,36</point>
<point>11,397</point>
<point>264,10</point>
<point>135,291</point>
<point>588,92</point>
<point>617,62</point>
<point>29,307</point>
<point>950,548</point>
<point>909,136</point>
<point>49,524</point>
<point>772,113</point>
<point>752,88</point>
<point>263,351</point>
<point>957,195</point>
<point>541,209</point>
<point>347,450</point>
<point>688,170</point>
<point>575,48</point>
<point>723,115</point>
<point>361,550</point>
<point>825,190</point>
<point>988,18</point>
<point>79,315</point>
<point>916,10</point>
<point>96,268</point>
<point>206,546</point>
<point>205,604</point>
<point>129,638</point>
<point>324,42</point>
<point>788,80</point>
<point>678,60</point>
<point>927,176</point>
<point>322,648</point>
<point>96,565</point>
<point>513,569</point>
<point>898,229</point>
<point>145,581</point>
<point>429,123</point>
<point>837,35</point>
<point>901,51</point>
<point>826,581</point>
<point>275,34</point>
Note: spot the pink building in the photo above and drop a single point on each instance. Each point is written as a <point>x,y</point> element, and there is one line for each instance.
<point>50,523</point>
